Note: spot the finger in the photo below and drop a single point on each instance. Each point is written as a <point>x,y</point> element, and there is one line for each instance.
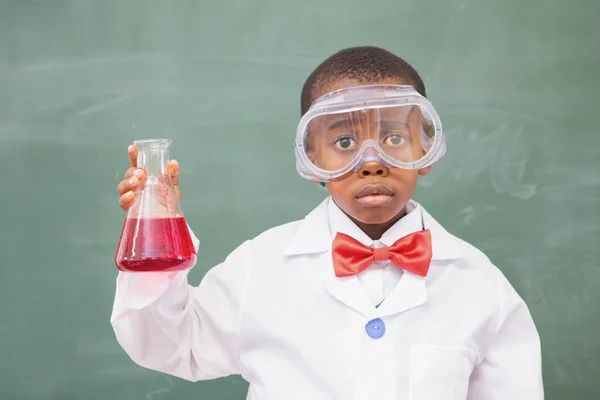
<point>132,152</point>
<point>128,185</point>
<point>173,171</point>
<point>126,200</point>
<point>140,173</point>
<point>129,173</point>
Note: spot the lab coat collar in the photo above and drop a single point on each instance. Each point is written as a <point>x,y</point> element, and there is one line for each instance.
<point>315,234</point>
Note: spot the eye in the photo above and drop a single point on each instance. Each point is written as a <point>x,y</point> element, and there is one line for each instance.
<point>395,139</point>
<point>345,143</point>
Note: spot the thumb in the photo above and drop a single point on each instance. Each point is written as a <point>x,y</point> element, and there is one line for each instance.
<point>173,171</point>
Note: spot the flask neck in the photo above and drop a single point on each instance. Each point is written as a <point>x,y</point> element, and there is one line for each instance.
<point>153,155</point>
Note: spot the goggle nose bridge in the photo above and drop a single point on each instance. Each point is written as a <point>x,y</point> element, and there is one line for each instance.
<point>370,152</point>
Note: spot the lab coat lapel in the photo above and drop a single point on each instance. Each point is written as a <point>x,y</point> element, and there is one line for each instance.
<point>314,237</point>
<point>347,290</point>
<point>409,292</point>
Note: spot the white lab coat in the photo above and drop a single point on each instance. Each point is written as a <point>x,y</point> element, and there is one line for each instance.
<point>275,313</point>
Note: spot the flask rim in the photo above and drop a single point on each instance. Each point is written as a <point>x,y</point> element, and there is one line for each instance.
<point>157,142</point>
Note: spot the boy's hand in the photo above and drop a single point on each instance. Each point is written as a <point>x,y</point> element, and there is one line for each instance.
<point>134,179</point>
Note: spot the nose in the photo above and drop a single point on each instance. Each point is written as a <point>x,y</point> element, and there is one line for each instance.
<point>372,168</point>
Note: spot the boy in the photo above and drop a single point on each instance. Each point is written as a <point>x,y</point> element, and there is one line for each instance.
<point>368,297</point>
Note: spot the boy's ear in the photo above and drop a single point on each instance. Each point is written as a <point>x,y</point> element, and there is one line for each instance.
<point>424,171</point>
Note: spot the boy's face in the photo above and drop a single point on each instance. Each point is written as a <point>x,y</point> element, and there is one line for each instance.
<point>375,194</point>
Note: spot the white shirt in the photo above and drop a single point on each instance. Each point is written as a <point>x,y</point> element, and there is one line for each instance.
<point>275,313</point>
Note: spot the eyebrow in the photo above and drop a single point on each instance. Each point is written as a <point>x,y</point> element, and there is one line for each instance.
<point>345,122</point>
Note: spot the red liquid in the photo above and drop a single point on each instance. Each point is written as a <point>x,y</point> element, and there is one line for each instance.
<point>155,244</point>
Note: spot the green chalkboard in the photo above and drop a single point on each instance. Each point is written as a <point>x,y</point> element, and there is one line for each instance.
<point>515,82</point>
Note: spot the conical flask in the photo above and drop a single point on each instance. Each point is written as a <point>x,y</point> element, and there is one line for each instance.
<point>155,235</point>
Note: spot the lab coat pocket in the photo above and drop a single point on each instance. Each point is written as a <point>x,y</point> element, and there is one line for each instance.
<point>440,372</point>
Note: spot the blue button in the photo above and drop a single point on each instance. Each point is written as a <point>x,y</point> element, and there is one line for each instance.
<point>375,328</point>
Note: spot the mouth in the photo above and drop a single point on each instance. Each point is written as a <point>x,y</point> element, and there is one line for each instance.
<point>375,195</point>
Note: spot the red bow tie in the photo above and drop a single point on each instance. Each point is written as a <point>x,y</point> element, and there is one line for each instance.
<point>412,253</point>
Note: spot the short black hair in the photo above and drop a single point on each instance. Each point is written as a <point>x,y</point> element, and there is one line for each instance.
<point>364,64</point>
